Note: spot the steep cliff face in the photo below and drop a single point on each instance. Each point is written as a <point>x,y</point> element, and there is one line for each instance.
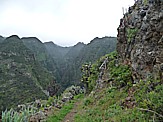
<point>140,39</point>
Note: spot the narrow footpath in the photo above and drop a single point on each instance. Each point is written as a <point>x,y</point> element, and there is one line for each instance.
<point>70,116</point>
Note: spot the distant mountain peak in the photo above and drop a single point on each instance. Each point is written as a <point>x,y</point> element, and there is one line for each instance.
<point>1,36</point>
<point>79,43</point>
<point>50,42</point>
<point>13,37</point>
<point>33,39</point>
<point>103,37</point>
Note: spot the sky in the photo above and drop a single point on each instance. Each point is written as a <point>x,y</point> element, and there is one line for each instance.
<point>65,22</point>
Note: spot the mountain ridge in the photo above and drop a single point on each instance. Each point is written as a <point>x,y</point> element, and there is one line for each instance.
<point>30,64</point>
<point>19,74</point>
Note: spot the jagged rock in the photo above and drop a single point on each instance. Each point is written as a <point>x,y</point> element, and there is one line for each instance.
<point>58,106</point>
<point>142,13</point>
<point>145,51</point>
<point>70,92</point>
<point>38,117</point>
<point>38,103</point>
<point>161,67</point>
<point>144,26</point>
<point>67,97</point>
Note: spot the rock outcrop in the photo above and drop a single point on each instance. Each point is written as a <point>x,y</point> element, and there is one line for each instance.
<point>70,92</point>
<point>140,39</point>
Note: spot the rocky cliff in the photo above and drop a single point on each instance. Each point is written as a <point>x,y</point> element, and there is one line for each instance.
<point>140,39</point>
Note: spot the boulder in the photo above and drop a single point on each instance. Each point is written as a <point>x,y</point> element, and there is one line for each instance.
<point>38,117</point>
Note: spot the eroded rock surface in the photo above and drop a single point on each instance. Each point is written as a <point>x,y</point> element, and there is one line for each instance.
<point>140,39</point>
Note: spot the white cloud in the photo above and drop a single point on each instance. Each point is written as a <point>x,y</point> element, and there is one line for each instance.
<point>63,21</point>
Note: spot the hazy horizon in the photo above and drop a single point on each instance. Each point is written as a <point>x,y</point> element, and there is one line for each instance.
<point>65,22</point>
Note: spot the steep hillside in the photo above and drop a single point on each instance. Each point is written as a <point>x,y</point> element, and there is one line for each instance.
<point>1,39</point>
<point>74,51</point>
<point>87,54</point>
<point>42,54</point>
<point>36,46</point>
<point>127,85</point>
<point>122,86</point>
<point>69,68</point>
<point>112,96</point>
<point>96,48</point>
<point>64,61</point>
<point>68,60</point>
<point>22,79</point>
<point>55,50</point>
<point>57,53</point>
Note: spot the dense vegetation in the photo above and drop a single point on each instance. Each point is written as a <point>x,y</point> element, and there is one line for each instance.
<point>123,86</point>
<point>113,96</point>
<point>120,99</point>
<point>80,53</point>
<point>22,79</point>
<point>65,62</point>
<point>30,69</point>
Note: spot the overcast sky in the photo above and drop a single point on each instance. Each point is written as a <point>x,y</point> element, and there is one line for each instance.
<point>65,22</point>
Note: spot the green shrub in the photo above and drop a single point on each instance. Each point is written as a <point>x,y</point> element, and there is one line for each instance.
<point>145,2</point>
<point>121,74</point>
<point>131,33</point>
<point>50,101</point>
<point>150,98</point>
<point>87,101</point>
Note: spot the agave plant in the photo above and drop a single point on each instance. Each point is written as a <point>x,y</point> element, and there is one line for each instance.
<point>14,116</point>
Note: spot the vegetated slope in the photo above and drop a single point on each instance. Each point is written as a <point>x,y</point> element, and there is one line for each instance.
<point>64,61</point>
<point>70,69</point>
<point>69,59</point>
<point>128,86</point>
<point>37,47</point>
<point>112,96</point>
<point>55,50</point>
<point>74,51</point>
<point>96,48</point>
<point>22,79</point>
<point>57,53</point>
<point>27,56</point>
<point>90,53</point>
<point>1,39</point>
<point>41,54</point>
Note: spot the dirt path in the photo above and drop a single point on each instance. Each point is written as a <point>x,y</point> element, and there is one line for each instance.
<point>70,116</point>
